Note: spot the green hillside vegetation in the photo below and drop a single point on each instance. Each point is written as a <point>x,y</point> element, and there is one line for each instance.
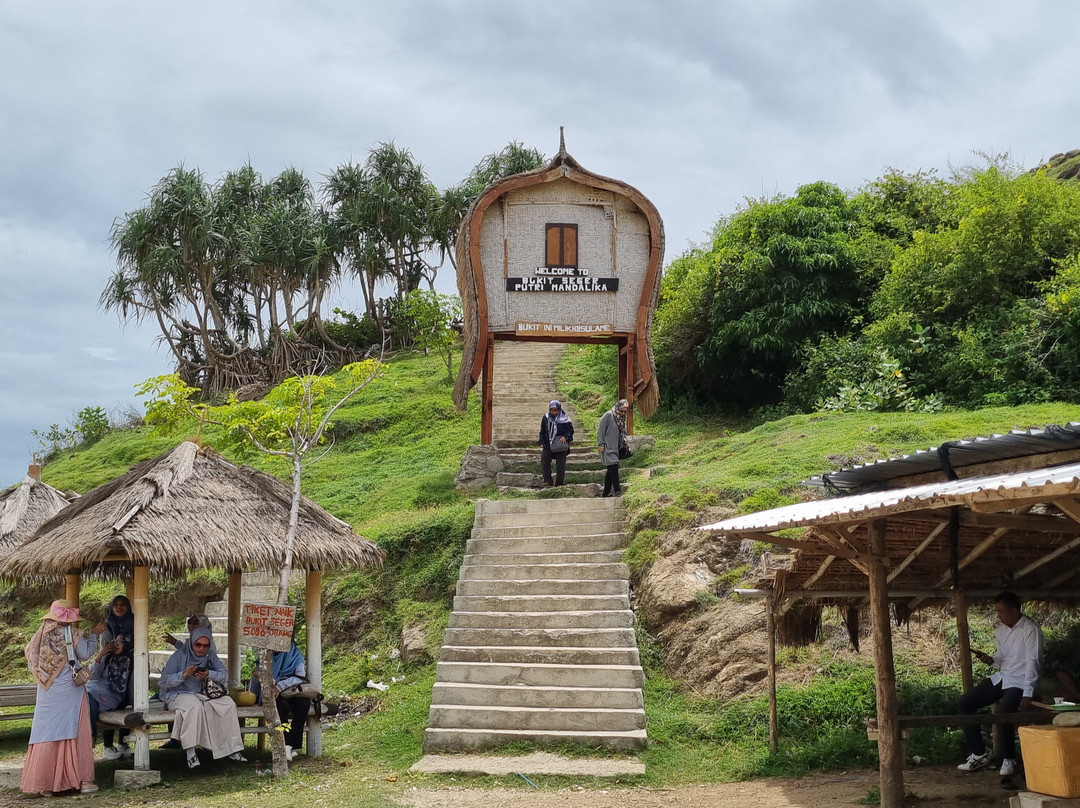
<point>911,293</point>
<point>810,333</point>
<point>390,474</point>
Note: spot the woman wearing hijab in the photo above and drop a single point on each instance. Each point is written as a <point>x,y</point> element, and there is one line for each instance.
<point>110,683</point>
<point>556,433</point>
<point>288,670</point>
<point>610,437</point>
<point>61,753</point>
<point>209,723</point>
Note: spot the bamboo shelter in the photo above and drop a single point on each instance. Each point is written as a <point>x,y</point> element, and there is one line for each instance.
<point>185,510</point>
<point>560,254</point>
<point>1000,524</point>
<point>25,507</point>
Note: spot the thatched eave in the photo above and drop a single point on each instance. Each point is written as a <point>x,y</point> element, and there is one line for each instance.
<point>187,509</point>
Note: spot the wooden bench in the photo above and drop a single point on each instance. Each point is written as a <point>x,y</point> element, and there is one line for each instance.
<point>910,722</point>
<point>130,719</point>
<point>17,696</point>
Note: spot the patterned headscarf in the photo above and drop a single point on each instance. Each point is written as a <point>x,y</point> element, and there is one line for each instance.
<point>46,653</point>
<point>620,413</point>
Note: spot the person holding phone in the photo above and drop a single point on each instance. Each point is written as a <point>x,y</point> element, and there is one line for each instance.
<point>1012,687</point>
<point>200,721</point>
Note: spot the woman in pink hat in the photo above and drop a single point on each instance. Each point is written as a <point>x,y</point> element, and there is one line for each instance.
<point>61,753</point>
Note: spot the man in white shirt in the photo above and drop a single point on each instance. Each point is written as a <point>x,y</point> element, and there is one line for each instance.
<point>1012,686</point>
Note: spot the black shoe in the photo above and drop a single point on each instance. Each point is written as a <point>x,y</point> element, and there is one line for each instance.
<point>172,743</point>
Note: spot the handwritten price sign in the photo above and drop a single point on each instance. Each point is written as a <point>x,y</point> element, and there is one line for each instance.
<point>267,625</point>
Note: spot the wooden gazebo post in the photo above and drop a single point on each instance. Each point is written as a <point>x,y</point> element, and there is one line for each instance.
<point>140,676</point>
<point>313,615</point>
<point>770,629</point>
<point>71,586</point>
<point>235,611</point>
<point>890,749</point>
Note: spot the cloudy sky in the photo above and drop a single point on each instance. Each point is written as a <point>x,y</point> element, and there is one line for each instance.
<point>699,104</point>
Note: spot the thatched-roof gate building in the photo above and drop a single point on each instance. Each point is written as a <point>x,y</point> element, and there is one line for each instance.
<point>560,254</point>
<point>190,509</point>
<point>965,520</point>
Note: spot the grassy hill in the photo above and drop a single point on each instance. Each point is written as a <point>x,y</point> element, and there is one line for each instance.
<point>390,474</point>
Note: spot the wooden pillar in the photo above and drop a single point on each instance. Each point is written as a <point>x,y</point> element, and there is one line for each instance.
<point>140,606</point>
<point>770,629</point>
<point>623,365</point>
<point>235,612</point>
<point>964,638</point>
<point>890,747</point>
<point>313,615</point>
<point>631,357</point>
<point>486,395</point>
<point>71,587</point>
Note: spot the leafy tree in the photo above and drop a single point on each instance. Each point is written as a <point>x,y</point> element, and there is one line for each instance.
<point>432,318</point>
<point>235,273</point>
<point>780,272</point>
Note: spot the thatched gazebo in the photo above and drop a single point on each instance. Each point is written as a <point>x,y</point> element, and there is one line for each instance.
<point>24,507</point>
<point>191,509</point>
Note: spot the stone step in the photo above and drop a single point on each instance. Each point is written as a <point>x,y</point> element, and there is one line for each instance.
<point>540,603</point>
<point>582,530</point>
<point>539,572</point>
<point>510,587</point>
<point>518,674</point>
<point>533,718</point>
<point>583,557</point>
<point>571,521</point>
<point>553,655</point>
<point>608,698</point>
<point>538,637</point>
<point>603,509</point>
<point>600,619</point>
<point>546,544</point>
<point>578,490</point>
<point>460,740</point>
<point>518,479</point>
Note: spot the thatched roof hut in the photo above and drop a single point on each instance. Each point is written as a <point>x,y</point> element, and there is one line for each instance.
<point>625,229</point>
<point>24,507</point>
<point>190,509</point>
<point>187,509</point>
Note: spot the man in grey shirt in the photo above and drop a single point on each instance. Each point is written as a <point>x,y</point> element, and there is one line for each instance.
<point>1011,687</point>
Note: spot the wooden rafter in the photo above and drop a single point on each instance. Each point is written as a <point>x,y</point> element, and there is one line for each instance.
<point>940,526</point>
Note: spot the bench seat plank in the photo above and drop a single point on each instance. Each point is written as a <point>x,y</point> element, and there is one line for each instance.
<point>978,719</point>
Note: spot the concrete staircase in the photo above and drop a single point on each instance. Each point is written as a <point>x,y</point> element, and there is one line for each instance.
<point>522,385</point>
<point>256,587</point>
<point>540,646</point>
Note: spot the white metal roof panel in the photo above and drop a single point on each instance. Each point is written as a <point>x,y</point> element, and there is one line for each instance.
<point>1052,482</point>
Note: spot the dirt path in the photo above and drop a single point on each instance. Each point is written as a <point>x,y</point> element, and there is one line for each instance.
<point>929,788</point>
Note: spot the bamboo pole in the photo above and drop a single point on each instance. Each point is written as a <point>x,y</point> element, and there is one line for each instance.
<point>71,587</point>
<point>140,605</point>
<point>236,585</point>
<point>770,629</point>
<point>313,615</point>
<point>890,748</point>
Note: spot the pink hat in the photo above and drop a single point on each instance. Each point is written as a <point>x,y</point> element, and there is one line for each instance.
<point>62,611</point>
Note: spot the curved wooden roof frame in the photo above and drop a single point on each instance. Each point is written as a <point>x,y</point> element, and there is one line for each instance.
<point>476,315</point>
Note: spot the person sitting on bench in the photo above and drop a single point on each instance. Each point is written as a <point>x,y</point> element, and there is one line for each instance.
<point>1011,687</point>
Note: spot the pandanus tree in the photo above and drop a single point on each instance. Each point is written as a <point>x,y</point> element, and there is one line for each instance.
<point>385,210</point>
<point>236,274</point>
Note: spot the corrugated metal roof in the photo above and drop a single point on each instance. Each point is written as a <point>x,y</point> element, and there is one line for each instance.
<point>1018,443</point>
<point>1053,482</point>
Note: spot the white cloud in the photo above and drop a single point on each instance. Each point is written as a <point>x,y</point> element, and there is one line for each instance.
<point>697,104</point>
